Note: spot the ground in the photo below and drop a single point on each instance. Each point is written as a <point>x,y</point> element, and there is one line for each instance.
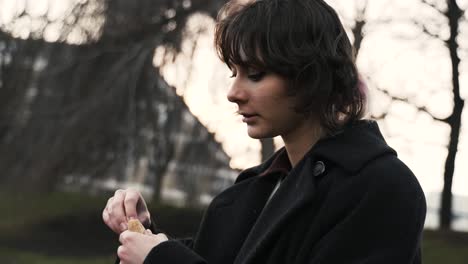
<point>67,229</point>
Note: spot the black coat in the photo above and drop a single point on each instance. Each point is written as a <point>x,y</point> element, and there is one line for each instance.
<point>350,200</point>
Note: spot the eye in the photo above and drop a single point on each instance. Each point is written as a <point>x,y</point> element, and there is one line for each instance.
<point>256,76</point>
<point>233,71</point>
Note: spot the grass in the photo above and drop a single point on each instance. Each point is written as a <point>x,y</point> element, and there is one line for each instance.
<point>12,256</point>
<point>23,211</point>
<point>66,228</point>
<point>445,247</point>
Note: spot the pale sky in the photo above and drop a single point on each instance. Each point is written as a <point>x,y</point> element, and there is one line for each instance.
<point>395,57</point>
<point>418,69</point>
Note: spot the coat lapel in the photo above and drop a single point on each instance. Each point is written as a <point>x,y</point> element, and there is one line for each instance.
<point>223,232</point>
<point>296,190</point>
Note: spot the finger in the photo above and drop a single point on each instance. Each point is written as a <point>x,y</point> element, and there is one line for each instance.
<point>123,227</point>
<point>123,237</point>
<point>161,237</point>
<point>142,211</point>
<point>116,210</point>
<point>109,201</point>
<point>130,203</point>
<point>105,216</point>
<point>148,232</point>
<point>145,220</point>
<point>121,252</point>
<point>107,220</point>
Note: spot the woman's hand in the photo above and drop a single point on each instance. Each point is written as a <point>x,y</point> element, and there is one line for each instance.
<point>135,246</point>
<point>123,206</point>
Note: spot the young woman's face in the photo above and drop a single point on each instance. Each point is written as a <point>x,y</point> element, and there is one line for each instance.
<point>264,104</point>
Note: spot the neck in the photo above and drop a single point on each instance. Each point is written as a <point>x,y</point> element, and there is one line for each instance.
<point>299,143</point>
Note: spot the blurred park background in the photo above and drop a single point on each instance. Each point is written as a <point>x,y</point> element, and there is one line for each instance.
<point>97,95</point>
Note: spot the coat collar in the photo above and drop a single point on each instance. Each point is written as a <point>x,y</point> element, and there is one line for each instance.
<point>354,146</point>
<point>350,149</point>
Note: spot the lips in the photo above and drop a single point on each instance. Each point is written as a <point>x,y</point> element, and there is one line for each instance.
<point>247,114</point>
<point>248,117</point>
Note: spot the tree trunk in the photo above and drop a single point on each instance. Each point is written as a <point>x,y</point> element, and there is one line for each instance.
<point>454,14</point>
<point>358,35</point>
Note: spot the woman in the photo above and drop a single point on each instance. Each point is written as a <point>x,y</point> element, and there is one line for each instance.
<point>336,192</point>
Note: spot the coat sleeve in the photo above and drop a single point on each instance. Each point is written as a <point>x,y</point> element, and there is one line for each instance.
<point>188,242</point>
<point>179,245</point>
<point>383,227</point>
<point>173,252</point>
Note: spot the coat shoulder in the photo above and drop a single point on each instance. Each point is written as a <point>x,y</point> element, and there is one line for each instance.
<point>391,179</point>
<point>388,171</point>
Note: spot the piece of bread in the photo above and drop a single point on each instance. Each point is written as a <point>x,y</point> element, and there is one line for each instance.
<point>135,226</point>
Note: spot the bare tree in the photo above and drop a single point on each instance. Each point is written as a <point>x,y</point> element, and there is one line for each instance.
<point>358,27</point>
<point>453,15</point>
<point>97,107</point>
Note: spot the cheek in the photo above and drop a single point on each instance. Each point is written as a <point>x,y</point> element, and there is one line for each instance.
<point>283,105</point>
<point>288,116</point>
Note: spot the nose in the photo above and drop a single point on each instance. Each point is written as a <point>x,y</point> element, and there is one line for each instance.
<point>237,94</point>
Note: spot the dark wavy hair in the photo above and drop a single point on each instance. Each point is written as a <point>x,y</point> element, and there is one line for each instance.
<point>303,41</point>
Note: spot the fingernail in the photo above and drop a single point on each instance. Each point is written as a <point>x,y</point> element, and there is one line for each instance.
<point>123,226</point>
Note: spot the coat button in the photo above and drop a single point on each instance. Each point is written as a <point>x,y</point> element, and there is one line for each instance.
<point>319,168</point>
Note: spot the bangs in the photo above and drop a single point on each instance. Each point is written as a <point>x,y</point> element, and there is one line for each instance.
<point>239,37</point>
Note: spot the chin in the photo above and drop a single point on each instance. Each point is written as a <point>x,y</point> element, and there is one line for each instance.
<point>255,136</point>
<point>258,134</point>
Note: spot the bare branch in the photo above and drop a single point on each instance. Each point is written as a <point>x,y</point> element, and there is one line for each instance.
<point>441,12</point>
<point>361,12</point>
<point>382,21</point>
<point>426,31</point>
<point>406,100</point>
